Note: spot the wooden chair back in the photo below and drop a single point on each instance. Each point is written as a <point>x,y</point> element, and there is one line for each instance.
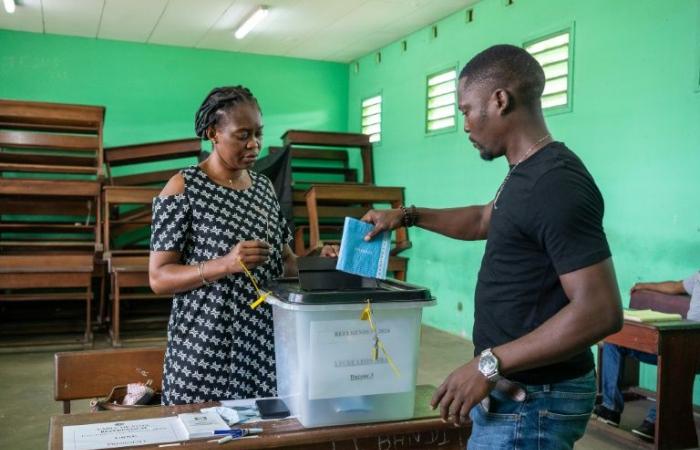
<point>164,151</point>
<point>93,373</point>
<point>324,139</point>
<point>318,165</point>
<point>127,219</point>
<point>46,270</point>
<point>49,215</point>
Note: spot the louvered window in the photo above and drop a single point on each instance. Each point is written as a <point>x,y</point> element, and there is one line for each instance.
<point>441,100</point>
<point>554,54</point>
<point>372,118</point>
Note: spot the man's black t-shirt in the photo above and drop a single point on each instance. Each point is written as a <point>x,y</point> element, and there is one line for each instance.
<point>547,222</point>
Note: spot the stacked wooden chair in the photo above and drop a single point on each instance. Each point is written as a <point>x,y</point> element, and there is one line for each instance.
<point>321,203</point>
<point>127,201</point>
<point>51,161</point>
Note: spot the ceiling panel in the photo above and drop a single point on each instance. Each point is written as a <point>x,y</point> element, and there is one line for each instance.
<point>288,24</point>
<point>369,17</point>
<point>130,20</point>
<point>302,21</point>
<point>334,30</point>
<point>219,36</point>
<point>26,17</point>
<point>72,17</point>
<point>184,22</point>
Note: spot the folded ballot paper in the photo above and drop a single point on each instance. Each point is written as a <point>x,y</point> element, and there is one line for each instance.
<point>357,256</point>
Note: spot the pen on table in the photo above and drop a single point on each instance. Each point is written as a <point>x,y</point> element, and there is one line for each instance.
<point>238,432</point>
<point>170,445</point>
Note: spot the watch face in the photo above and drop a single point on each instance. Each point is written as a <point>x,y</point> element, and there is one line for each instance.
<point>487,364</point>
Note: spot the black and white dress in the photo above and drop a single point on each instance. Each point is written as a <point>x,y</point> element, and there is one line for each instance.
<point>218,347</point>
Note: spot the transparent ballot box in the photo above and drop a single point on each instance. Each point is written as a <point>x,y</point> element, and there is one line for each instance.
<point>342,359</point>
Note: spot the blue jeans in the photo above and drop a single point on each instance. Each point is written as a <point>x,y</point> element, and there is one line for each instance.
<point>613,366</point>
<point>552,417</point>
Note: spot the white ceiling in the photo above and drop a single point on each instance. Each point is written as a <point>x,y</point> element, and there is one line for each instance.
<point>331,30</point>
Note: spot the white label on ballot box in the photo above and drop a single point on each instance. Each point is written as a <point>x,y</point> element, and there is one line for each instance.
<point>126,433</point>
<point>342,364</point>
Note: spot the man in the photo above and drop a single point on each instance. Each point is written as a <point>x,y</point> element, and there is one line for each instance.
<point>613,364</point>
<point>546,290</point>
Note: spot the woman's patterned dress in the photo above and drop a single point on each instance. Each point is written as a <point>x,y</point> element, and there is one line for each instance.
<point>218,347</point>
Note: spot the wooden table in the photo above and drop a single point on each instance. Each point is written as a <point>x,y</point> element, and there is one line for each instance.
<point>677,345</point>
<point>425,431</point>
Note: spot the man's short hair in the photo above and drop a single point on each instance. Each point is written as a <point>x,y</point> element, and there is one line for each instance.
<point>507,66</point>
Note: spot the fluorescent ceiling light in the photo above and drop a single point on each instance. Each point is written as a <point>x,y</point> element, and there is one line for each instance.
<point>9,6</point>
<point>250,22</point>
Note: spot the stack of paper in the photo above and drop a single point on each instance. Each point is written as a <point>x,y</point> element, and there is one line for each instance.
<point>122,434</point>
<point>648,315</point>
<point>202,424</point>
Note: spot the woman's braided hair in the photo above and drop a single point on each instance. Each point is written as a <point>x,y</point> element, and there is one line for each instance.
<point>217,103</point>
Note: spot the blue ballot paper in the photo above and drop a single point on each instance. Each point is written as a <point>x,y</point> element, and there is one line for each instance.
<point>368,259</point>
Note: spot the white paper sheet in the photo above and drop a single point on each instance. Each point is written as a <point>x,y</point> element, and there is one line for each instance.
<point>342,365</point>
<point>122,434</point>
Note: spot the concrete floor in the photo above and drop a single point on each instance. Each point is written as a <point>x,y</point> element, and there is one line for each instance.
<point>26,392</point>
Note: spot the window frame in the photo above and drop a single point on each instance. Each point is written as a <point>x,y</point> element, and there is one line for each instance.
<point>548,34</point>
<point>426,110</point>
<point>363,99</point>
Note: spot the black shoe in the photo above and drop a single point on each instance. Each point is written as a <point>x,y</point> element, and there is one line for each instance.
<point>606,415</point>
<point>646,431</point>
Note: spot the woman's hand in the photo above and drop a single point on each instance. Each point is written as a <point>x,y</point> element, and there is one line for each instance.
<point>251,253</point>
<point>330,251</point>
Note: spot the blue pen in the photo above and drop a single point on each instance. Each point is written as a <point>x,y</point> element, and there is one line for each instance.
<point>238,432</point>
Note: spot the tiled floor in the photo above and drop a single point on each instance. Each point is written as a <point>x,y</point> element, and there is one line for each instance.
<point>26,392</point>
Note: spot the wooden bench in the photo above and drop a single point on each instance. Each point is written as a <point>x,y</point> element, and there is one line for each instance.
<point>127,221</point>
<point>163,151</point>
<point>127,215</point>
<point>51,138</point>
<point>49,277</point>
<point>93,373</point>
<point>60,145</point>
<point>313,165</point>
<point>299,138</point>
<point>55,215</point>
<point>51,167</point>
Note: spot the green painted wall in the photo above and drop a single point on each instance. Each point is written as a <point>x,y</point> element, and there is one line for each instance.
<point>152,91</point>
<point>635,122</point>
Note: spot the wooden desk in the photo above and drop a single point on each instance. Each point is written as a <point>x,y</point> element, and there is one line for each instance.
<point>677,345</point>
<point>425,431</point>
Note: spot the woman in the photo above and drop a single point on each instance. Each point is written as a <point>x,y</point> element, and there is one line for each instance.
<point>211,222</point>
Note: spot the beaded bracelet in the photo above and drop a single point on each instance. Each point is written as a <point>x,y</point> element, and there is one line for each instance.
<point>409,218</point>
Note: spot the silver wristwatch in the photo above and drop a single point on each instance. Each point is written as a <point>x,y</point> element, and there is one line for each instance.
<point>488,365</point>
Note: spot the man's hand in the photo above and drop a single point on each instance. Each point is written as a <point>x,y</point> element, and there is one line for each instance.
<point>638,287</point>
<point>460,392</point>
<point>383,220</point>
<point>664,287</point>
